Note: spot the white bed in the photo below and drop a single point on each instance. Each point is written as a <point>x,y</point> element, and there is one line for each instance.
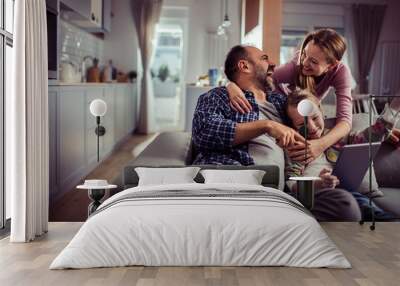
<point>222,225</point>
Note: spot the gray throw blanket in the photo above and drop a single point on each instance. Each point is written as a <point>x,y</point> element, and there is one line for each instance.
<point>203,194</point>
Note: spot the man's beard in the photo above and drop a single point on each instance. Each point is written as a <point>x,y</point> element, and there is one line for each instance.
<point>263,79</point>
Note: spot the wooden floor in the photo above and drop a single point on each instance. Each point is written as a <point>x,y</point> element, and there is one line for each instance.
<point>375,257</point>
<point>72,206</point>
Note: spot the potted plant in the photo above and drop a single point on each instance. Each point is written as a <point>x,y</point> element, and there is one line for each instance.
<point>163,72</point>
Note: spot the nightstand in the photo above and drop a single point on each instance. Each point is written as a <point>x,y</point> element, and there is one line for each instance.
<point>96,191</point>
<point>305,190</point>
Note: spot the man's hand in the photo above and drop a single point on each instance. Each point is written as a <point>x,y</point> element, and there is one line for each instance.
<point>297,151</point>
<point>283,134</point>
<point>327,180</point>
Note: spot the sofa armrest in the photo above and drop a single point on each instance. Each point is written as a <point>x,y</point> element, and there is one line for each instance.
<point>387,166</point>
<point>387,160</point>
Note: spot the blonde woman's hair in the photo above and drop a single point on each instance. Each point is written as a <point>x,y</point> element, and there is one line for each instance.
<point>332,45</point>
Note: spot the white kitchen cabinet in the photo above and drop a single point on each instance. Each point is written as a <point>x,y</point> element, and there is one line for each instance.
<point>71,161</point>
<point>53,182</point>
<point>87,14</point>
<point>97,12</point>
<point>91,15</point>
<point>91,146</point>
<point>108,122</point>
<point>81,7</point>
<point>91,93</point>
<point>107,15</point>
<point>119,111</point>
<point>131,108</point>
<point>73,141</point>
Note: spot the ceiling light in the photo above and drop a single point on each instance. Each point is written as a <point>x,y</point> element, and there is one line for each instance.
<point>226,23</point>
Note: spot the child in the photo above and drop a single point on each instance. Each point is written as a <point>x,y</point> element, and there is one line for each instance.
<point>322,166</point>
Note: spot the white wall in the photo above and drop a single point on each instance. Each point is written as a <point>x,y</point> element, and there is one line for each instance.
<point>204,17</point>
<point>306,16</point>
<point>121,44</point>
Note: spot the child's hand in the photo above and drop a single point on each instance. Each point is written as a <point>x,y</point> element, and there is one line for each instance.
<point>327,179</point>
<point>394,136</point>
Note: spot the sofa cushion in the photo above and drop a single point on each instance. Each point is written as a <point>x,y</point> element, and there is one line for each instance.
<point>391,201</point>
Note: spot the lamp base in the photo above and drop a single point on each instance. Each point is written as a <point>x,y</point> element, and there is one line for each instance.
<point>95,195</point>
<point>305,193</point>
<point>100,130</point>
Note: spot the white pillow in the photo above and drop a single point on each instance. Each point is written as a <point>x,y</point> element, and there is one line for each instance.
<point>163,176</point>
<point>248,177</point>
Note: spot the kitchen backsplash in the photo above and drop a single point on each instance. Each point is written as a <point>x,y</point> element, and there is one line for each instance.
<point>77,43</point>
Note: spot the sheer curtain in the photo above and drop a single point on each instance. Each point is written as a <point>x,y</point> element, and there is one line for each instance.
<point>367,21</point>
<point>146,14</point>
<point>27,124</point>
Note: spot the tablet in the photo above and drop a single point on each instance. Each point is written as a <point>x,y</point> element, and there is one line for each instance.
<point>353,163</point>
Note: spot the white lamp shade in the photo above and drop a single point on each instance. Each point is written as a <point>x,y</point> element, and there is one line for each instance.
<point>306,108</point>
<point>98,107</point>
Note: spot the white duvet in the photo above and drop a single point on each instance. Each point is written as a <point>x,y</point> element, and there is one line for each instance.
<point>207,230</point>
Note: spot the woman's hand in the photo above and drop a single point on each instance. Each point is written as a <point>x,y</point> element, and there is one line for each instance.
<point>237,100</point>
<point>314,149</point>
<point>283,134</point>
<point>327,180</point>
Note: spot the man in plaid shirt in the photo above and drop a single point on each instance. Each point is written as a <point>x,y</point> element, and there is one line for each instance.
<point>220,134</point>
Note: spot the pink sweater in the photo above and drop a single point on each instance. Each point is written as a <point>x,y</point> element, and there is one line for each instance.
<point>339,78</point>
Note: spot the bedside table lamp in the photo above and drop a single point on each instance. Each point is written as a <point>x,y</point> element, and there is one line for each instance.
<point>98,108</point>
<point>305,185</point>
<point>306,108</point>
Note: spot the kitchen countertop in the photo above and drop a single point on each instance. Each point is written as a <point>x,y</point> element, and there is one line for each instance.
<point>58,83</point>
<point>190,85</point>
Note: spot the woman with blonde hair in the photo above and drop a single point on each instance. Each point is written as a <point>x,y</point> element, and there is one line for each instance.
<point>316,67</point>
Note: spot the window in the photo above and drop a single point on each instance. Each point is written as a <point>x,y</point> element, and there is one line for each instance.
<point>6,64</point>
<point>9,16</point>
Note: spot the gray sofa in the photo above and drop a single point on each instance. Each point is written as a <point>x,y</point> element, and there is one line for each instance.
<point>175,149</point>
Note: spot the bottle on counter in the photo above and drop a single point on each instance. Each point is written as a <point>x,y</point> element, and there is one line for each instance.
<point>93,74</point>
<point>113,70</point>
<point>107,72</point>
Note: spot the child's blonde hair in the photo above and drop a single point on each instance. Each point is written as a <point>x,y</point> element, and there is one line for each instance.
<point>298,95</point>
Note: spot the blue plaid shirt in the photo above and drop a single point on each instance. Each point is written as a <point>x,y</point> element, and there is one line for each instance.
<point>214,125</point>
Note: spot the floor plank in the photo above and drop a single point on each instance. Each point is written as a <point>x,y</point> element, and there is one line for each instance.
<point>375,257</point>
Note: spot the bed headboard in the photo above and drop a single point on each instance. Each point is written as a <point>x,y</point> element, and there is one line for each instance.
<point>270,179</point>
